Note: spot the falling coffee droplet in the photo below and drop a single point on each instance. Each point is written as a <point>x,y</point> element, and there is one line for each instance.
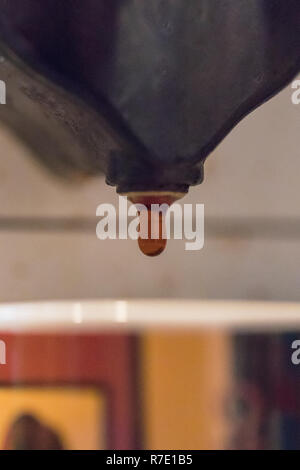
<point>148,245</point>
<point>152,222</point>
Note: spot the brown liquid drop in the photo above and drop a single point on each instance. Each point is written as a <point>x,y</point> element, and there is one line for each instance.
<point>152,245</point>
<point>148,245</point>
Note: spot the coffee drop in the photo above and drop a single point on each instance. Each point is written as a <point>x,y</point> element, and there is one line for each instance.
<point>152,241</point>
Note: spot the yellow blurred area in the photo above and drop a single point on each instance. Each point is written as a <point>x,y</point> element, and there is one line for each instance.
<point>186,377</point>
<point>76,414</point>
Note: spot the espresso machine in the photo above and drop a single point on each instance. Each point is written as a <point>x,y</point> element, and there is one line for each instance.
<point>141,90</point>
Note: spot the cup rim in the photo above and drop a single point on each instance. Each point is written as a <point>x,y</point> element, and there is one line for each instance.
<point>143,314</point>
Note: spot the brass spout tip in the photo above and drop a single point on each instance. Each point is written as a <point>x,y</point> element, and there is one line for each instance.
<point>153,197</point>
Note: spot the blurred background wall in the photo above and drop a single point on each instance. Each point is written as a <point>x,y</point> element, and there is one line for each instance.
<point>251,196</point>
